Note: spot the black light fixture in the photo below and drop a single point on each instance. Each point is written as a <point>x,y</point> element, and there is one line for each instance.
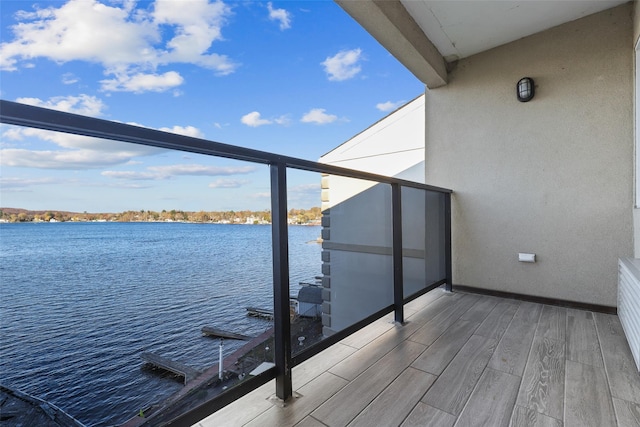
<point>525,89</point>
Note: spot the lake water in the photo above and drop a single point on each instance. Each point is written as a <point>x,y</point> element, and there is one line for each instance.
<point>79,302</point>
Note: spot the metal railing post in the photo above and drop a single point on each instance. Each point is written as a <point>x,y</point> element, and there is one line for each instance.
<point>398,285</point>
<point>447,241</point>
<point>280,256</point>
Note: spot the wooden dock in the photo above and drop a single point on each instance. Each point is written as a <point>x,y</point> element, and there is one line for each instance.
<point>167,364</point>
<point>22,409</point>
<point>210,331</point>
<point>262,313</point>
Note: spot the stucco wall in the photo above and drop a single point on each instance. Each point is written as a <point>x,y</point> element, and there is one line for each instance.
<point>636,212</point>
<point>552,176</point>
<point>636,21</point>
<point>636,232</point>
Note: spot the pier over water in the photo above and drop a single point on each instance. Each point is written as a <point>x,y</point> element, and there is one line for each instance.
<point>167,364</point>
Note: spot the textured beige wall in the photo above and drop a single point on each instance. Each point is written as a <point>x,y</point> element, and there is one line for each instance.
<point>636,212</point>
<point>552,176</point>
<point>636,21</point>
<point>636,233</point>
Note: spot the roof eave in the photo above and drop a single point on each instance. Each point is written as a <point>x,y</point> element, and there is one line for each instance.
<point>391,24</point>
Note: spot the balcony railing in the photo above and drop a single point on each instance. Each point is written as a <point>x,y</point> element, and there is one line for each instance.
<point>386,241</point>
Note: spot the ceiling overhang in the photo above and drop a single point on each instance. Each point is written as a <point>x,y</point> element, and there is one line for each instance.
<point>425,35</point>
<point>390,23</point>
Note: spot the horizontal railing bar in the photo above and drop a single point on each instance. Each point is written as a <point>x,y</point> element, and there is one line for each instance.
<point>194,416</point>
<point>14,113</point>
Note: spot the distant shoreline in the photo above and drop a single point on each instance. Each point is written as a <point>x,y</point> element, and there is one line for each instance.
<point>311,224</point>
<point>311,216</point>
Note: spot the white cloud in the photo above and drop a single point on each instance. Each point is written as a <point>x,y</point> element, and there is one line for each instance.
<point>82,104</point>
<point>191,131</point>
<point>128,185</point>
<point>81,30</point>
<point>343,65</point>
<point>253,119</point>
<point>283,120</point>
<point>281,15</point>
<point>67,159</point>
<point>16,184</point>
<point>166,172</point>
<point>132,175</point>
<point>196,28</point>
<point>10,133</point>
<point>140,82</point>
<point>389,106</point>
<point>229,183</point>
<point>318,116</point>
<point>201,170</point>
<point>126,41</point>
<point>69,79</point>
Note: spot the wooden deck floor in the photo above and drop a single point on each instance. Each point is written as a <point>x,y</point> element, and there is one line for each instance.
<point>463,360</point>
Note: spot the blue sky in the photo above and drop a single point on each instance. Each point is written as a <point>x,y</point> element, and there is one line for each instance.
<point>296,77</point>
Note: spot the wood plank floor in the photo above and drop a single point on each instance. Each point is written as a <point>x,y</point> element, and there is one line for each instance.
<point>461,360</point>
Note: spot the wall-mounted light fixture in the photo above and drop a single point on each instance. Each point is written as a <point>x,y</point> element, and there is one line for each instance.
<point>525,89</point>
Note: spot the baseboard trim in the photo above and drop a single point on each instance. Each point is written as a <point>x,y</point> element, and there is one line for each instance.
<point>541,300</point>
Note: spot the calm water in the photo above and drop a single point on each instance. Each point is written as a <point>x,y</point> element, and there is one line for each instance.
<point>79,302</point>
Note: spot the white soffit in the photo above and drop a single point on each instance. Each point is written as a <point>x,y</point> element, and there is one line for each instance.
<point>463,28</point>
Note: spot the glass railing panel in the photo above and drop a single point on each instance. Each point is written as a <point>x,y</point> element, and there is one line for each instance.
<point>138,258</point>
<point>413,240</point>
<point>435,236</point>
<point>357,271</point>
<point>305,257</point>
<point>423,239</point>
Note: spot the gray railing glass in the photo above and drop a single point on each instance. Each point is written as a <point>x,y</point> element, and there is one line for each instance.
<point>357,246</point>
<point>423,239</point>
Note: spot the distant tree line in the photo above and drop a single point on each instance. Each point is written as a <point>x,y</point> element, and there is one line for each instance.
<point>295,216</point>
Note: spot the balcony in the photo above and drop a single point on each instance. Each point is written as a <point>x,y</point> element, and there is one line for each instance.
<point>461,359</point>
<point>409,352</point>
<point>440,358</point>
